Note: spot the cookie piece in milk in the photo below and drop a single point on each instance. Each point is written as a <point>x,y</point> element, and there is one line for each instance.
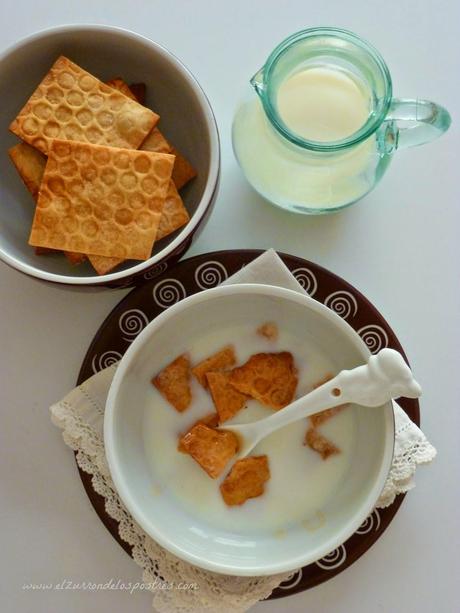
<point>101,200</point>
<point>246,480</point>
<point>223,359</point>
<point>270,378</point>
<point>211,449</point>
<point>319,443</point>
<point>72,104</point>
<point>173,382</point>
<point>227,400</point>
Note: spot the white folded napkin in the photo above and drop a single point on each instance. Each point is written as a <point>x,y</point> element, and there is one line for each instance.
<point>80,415</point>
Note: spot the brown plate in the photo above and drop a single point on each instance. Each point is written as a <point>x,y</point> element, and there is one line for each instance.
<point>162,288</point>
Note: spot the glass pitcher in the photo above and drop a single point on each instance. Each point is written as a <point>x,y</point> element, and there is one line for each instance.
<point>317,175</point>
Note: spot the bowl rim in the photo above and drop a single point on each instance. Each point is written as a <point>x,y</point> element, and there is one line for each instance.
<point>212,182</point>
<point>148,524</point>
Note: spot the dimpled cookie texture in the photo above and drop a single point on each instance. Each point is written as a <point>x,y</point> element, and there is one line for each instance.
<point>71,104</point>
<point>173,216</point>
<point>101,200</point>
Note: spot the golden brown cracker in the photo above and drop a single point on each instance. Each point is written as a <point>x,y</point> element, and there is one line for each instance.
<point>320,444</point>
<point>227,400</point>
<point>212,449</point>
<point>122,87</point>
<point>183,171</point>
<point>246,480</point>
<point>270,378</point>
<point>225,358</point>
<point>72,104</point>
<point>174,214</point>
<point>173,382</point>
<point>30,164</point>
<point>211,420</point>
<point>101,200</point>
<point>268,330</point>
<point>103,265</point>
<point>156,142</point>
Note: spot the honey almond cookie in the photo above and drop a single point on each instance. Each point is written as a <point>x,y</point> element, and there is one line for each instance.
<point>30,164</point>
<point>101,200</point>
<point>173,382</point>
<point>212,449</point>
<point>183,171</point>
<point>223,359</point>
<point>72,104</point>
<point>227,400</point>
<point>270,378</point>
<point>246,480</point>
<point>211,420</point>
<point>173,216</point>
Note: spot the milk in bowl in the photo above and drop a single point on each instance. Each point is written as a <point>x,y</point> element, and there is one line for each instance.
<point>309,505</point>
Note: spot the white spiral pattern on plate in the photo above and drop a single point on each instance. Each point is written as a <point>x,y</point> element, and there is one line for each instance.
<point>343,303</point>
<point>131,323</point>
<point>210,274</point>
<point>374,336</point>
<point>292,581</point>
<point>158,269</point>
<point>370,523</point>
<point>306,279</point>
<point>168,292</point>
<point>104,360</point>
<point>334,559</point>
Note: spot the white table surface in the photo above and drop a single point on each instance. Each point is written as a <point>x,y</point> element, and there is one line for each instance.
<point>399,246</point>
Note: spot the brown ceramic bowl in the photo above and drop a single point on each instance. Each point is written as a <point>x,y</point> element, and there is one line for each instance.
<point>186,119</point>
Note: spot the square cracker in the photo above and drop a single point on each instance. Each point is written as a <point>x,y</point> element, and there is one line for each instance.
<point>173,382</point>
<point>173,216</point>
<point>212,449</point>
<point>270,378</point>
<point>72,104</point>
<point>246,480</point>
<point>101,200</point>
<point>183,171</point>
<point>30,164</point>
<point>227,400</point>
<point>223,359</point>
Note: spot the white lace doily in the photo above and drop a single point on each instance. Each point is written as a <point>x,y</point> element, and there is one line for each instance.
<point>80,415</point>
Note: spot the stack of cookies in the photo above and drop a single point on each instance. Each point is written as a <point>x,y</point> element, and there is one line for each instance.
<point>104,178</point>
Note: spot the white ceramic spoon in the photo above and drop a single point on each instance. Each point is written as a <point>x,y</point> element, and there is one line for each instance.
<point>385,376</point>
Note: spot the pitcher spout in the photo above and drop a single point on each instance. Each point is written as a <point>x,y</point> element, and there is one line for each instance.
<point>257,81</point>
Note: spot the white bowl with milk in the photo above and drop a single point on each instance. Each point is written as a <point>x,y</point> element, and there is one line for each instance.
<point>310,506</point>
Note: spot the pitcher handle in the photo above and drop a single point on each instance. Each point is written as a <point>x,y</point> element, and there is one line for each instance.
<point>417,121</point>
